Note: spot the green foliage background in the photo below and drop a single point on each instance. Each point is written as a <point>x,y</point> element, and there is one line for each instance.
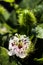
<point>14,18</point>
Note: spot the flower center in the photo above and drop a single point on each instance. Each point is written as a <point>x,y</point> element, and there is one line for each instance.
<point>13,44</point>
<point>19,46</point>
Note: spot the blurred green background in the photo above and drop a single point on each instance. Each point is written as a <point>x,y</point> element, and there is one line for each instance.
<point>23,17</point>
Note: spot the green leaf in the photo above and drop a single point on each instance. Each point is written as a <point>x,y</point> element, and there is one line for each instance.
<point>38,9</point>
<point>13,20</point>
<point>39,31</point>
<point>39,13</point>
<point>10,1</point>
<point>5,58</point>
<point>29,3</point>
<point>4,13</point>
<point>39,61</point>
<point>41,19</point>
<point>4,28</point>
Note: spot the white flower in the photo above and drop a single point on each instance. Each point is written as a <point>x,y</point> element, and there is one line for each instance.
<point>19,46</point>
